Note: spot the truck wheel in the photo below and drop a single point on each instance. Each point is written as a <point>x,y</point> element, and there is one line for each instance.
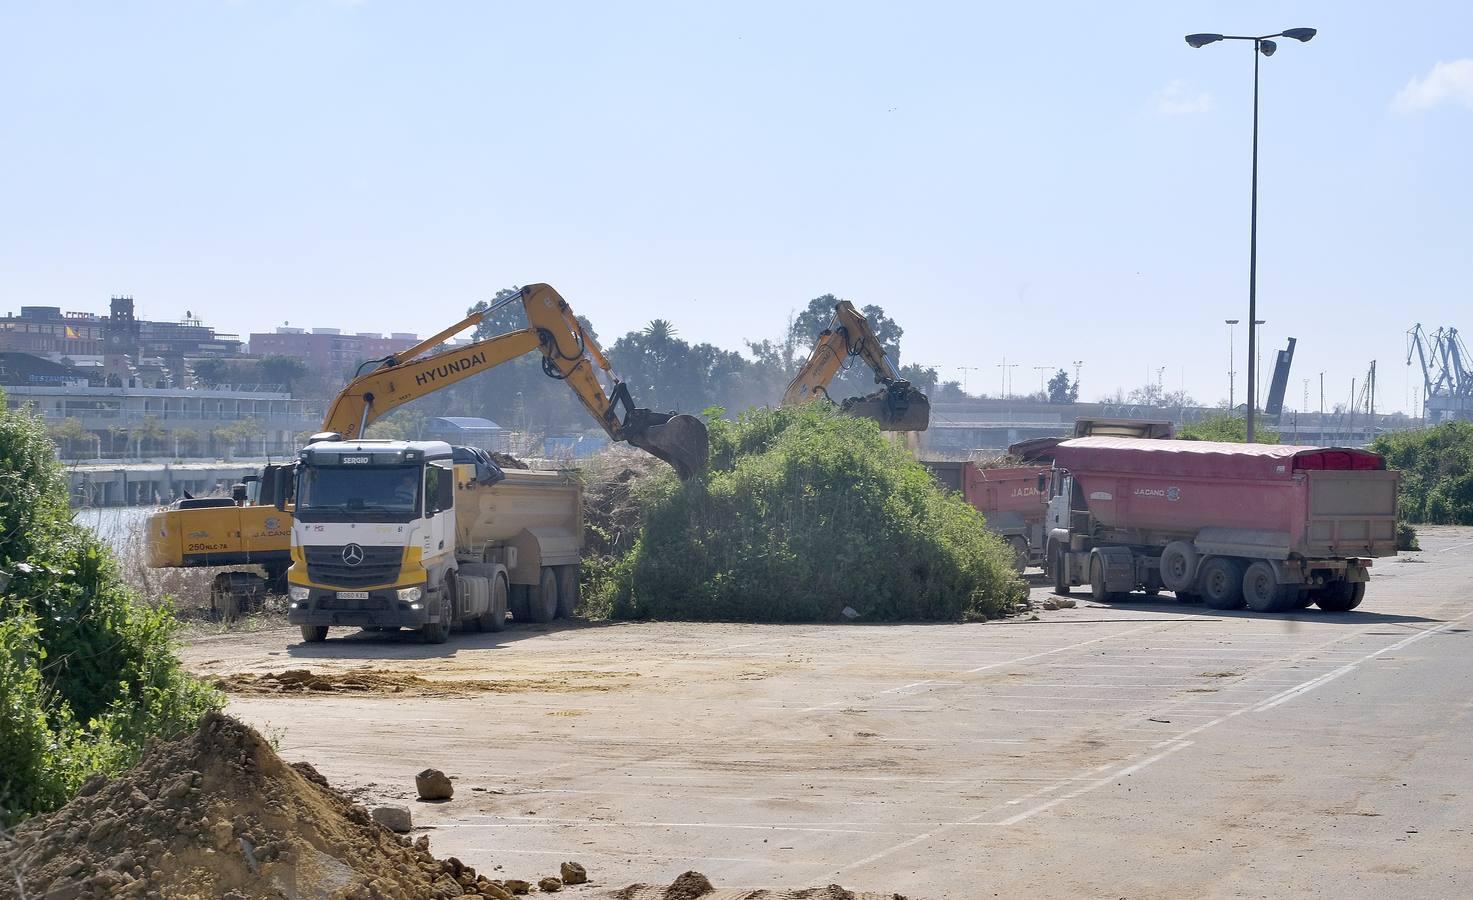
<point>438,632</point>
<point>1097,590</point>
<point>1342,596</point>
<point>1262,591</point>
<point>1058,570</point>
<point>1222,583</point>
<point>1019,546</point>
<point>567,591</point>
<point>314,634</point>
<point>516,602</point>
<point>1179,566</point>
<point>543,598</point>
<point>495,617</point>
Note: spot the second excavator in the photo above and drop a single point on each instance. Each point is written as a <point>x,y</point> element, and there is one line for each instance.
<point>897,405</point>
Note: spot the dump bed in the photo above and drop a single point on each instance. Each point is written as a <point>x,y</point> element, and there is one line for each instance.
<point>1267,501</point>
<point>1008,497</point>
<point>538,513</point>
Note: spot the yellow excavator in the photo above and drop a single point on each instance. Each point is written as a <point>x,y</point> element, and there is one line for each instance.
<point>897,406</point>
<point>246,529</point>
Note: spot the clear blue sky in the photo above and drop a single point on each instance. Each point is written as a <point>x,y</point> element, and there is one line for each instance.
<point>1043,183</point>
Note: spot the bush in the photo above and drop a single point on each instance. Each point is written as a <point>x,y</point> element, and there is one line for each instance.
<point>1436,466</point>
<point>1229,428</point>
<point>87,674</point>
<point>804,513</point>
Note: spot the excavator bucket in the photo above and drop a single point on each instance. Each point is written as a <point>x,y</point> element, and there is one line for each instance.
<point>679,440</point>
<point>897,407</point>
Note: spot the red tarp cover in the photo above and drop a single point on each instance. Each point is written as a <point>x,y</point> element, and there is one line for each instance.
<point>1205,458</point>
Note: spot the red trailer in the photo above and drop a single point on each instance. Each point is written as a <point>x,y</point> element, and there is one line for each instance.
<point>1010,500</point>
<point>1272,527</point>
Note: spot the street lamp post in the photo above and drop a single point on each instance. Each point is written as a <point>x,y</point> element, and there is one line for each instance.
<point>1232,355</point>
<point>1266,46</point>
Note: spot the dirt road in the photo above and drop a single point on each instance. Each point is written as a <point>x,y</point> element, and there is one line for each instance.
<point>1145,749</point>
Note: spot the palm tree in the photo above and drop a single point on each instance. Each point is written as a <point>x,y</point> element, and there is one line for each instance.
<point>659,330</point>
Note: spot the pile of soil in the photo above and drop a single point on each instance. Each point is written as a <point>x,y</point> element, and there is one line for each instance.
<point>612,514</point>
<point>507,461</point>
<point>217,814</point>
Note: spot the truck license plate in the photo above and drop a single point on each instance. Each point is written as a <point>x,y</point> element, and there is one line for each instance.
<point>352,595</point>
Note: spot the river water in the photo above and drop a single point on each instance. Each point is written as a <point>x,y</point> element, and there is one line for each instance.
<point>119,526</point>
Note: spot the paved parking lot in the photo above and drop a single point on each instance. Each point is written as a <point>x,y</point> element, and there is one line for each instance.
<point>1146,749</point>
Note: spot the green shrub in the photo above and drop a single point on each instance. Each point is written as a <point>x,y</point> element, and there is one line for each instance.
<point>1230,428</point>
<point>1436,466</point>
<point>804,513</point>
<point>1406,537</point>
<point>87,675</point>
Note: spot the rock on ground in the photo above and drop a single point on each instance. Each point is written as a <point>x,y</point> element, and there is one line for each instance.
<point>394,818</point>
<point>432,784</point>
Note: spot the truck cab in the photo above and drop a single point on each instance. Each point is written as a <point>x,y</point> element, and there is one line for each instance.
<point>373,537</point>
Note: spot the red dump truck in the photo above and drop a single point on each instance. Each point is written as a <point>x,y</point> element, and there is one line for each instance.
<point>1267,526</point>
<point>1009,498</point>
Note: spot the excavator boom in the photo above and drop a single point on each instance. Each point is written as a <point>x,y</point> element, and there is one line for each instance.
<point>569,354</point>
<point>897,406</point>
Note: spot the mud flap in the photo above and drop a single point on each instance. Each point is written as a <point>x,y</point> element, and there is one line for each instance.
<point>898,407</point>
<point>679,440</point>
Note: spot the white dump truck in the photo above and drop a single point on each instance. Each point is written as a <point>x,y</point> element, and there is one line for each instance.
<point>422,535</point>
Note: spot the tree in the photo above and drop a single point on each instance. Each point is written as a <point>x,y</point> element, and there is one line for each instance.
<point>950,390</point>
<point>282,370</point>
<point>70,431</point>
<point>209,373</point>
<point>1061,389</point>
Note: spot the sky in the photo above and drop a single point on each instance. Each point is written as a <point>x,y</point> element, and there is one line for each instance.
<point>1029,184</point>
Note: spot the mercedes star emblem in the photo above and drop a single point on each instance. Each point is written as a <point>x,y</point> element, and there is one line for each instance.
<point>352,554</point>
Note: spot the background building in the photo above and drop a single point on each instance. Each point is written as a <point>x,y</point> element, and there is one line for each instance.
<point>328,352</point>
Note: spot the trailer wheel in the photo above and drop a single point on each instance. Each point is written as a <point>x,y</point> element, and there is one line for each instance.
<point>1058,570</point>
<point>1179,566</point>
<point>1262,591</point>
<point>1341,596</point>
<point>567,591</point>
<point>1222,583</point>
<point>314,634</point>
<point>495,617</point>
<point>543,600</point>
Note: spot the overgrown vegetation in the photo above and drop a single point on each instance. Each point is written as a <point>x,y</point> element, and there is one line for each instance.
<point>87,675</point>
<point>806,513</point>
<point>1230,428</point>
<point>1436,466</point>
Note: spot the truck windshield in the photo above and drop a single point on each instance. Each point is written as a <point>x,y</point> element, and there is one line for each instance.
<point>385,493</point>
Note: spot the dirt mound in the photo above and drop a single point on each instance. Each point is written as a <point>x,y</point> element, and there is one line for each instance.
<point>385,681</point>
<point>507,461</point>
<point>612,514</point>
<point>217,814</point>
